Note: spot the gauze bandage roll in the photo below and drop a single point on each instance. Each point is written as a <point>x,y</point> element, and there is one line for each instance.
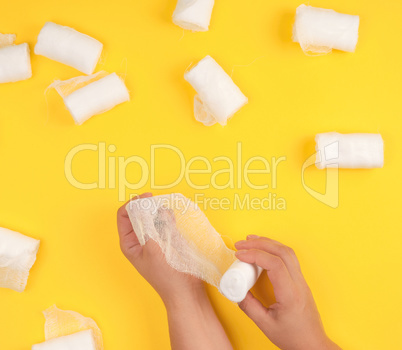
<point>238,280</point>
<point>69,330</point>
<point>66,45</point>
<point>193,14</point>
<point>85,97</point>
<point>83,340</point>
<point>349,150</point>
<point>318,30</point>
<point>17,255</point>
<point>15,60</point>
<point>218,96</point>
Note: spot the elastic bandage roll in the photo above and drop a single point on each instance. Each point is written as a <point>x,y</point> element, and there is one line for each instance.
<point>193,15</point>
<point>87,96</point>
<point>66,45</point>
<point>17,256</point>
<point>218,96</point>
<point>15,60</point>
<point>238,280</point>
<point>319,30</point>
<point>69,330</point>
<point>349,150</point>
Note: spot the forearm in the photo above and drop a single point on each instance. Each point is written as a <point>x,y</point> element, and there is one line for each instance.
<point>193,323</point>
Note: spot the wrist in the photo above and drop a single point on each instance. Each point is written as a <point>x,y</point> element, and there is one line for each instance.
<point>194,297</point>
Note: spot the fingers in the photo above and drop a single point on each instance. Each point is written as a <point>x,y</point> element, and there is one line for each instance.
<point>277,272</point>
<point>270,246</point>
<point>253,308</point>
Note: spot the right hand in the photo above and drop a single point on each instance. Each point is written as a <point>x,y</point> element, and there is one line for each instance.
<point>293,322</point>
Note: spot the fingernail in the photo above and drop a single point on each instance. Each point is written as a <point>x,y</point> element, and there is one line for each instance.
<point>252,236</point>
<point>240,252</point>
<point>240,242</point>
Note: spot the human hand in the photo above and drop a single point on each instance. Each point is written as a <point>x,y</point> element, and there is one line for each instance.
<point>293,322</point>
<point>171,285</point>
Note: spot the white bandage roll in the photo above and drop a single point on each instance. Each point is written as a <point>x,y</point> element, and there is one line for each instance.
<point>193,14</point>
<point>349,150</point>
<point>238,280</point>
<point>318,30</point>
<point>15,63</point>
<point>66,45</point>
<point>218,96</point>
<point>97,97</point>
<point>17,255</point>
<point>83,340</point>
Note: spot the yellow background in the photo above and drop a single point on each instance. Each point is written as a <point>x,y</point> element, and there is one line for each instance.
<point>350,255</point>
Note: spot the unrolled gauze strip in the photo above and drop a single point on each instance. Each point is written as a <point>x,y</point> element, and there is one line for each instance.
<point>95,94</point>
<point>349,150</point>
<point>218,96</point>
<point>319,30</point>
<point>66,45</point>
<point>17,255</point>
<point>193,14</point>
<point>83,340</point>
<point>238,280</point>
<point>15,60</point>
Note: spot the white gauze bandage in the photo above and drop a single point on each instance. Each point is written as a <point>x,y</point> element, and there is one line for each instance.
<point>349,150</point>
<point>193,14</point>
<point>87,96</point>
<point>69,330</point>
<point>187,239</point>
<point>318,30</point>
<point>83,340</point>
<point>218,96</point>
<point>238,280</point>
<point>17,255</point>
<point>66,45</point>
<point>15,60</point>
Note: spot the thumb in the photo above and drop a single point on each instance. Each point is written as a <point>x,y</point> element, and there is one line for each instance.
<point>253,308</point>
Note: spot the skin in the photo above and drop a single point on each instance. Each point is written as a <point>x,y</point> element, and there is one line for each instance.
<point>193,323</point>
<point>292,323</point>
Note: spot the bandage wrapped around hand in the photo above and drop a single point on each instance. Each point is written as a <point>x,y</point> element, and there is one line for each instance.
<point>66,45</point>
<point>68,330</point>
<point>349,150</point>
<point>194,15</point>
<point>187,239</point>
<point>318,30</point>
<point>218,96</point>
<point>15,60</point>
<point>17,256</point>
<point>87,96</point>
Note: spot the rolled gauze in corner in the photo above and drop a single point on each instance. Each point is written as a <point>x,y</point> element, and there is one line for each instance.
<point>349,150</point>
<point>66,45</point>
<point>17,255</point>
<point>94,97</point>
<point>218,96</point>
<point>15,60</point>
<point>318,30</point>
<point>83,340</point>
<point>193,14</point>
<point>238,280</point>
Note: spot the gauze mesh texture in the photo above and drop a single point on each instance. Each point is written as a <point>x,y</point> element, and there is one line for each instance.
<point>7,39</point>
<point>63,322</point>
<point>186,237</point>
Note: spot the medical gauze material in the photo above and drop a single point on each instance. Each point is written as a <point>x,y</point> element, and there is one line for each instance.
<point>83,340</point>
<point>349,150</point>
<point>186,237</point>
<point>318,30</point>
<point>15,60</point>
<point>17,256</point>
<point>218,96</point>
<point>238,280</point>
<point>194,15</point>
<point>66,45</point>
<point>85,97</point>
